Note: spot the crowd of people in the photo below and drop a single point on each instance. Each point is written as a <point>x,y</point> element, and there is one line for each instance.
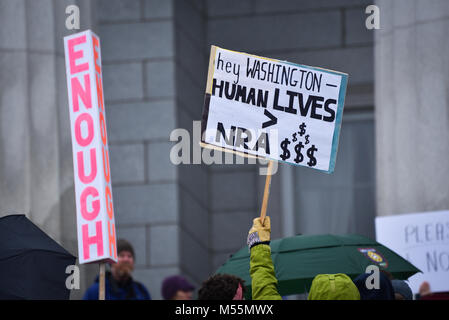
<point>119,284</point>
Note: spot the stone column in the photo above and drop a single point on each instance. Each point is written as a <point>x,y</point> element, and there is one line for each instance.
<point>36,168</point>
<point>412,106</point>
<point>14,112</point>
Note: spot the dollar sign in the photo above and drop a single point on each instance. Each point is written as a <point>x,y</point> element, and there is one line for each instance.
<point>310,153</point>
<point>286,152</point>
<point>307,139</point>
<point>294,137</point>
<point>299,156</point>
<point>303,130</point>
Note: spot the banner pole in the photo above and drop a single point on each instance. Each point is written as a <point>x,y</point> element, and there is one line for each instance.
<point>266,192</point>
<point>101,293</point>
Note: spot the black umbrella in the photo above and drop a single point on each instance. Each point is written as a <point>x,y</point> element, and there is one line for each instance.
<point>32,265</point>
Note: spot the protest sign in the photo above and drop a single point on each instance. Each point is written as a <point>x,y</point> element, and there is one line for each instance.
<point>422,239</point>
<point>277,110</point>
<point>93,191</point>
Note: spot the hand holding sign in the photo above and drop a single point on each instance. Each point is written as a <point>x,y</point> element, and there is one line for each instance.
<point>280,111</point>
<point>260,232</point>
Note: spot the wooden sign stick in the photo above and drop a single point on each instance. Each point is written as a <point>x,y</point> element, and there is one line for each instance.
<point>266,192</point>
<point>101,293</point>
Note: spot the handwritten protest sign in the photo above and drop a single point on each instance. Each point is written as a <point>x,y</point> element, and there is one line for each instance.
<point>273,109</point>
<point>422,239</point>
<point>93,191</point>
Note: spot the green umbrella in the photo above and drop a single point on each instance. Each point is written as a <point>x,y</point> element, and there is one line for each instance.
<point>297,260</point>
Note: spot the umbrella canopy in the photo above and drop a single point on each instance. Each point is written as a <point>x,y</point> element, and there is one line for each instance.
<point>297,260</point>
<point>32,265</point>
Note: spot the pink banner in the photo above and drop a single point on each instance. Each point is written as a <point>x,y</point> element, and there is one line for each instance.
<point>93,190</point>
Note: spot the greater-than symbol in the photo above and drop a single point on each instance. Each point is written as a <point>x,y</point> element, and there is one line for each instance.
<point>273,120</point>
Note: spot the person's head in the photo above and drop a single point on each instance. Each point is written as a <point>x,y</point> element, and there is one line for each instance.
<point>424,289</point>
<point>333,287</point>
<point>368,290</point>
<point>177,288</point>
<point>125,265</point>
<point>222,287</point>
<point>402,290</point>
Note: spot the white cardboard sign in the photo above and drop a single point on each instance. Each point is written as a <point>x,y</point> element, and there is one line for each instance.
<point>93,190</point>
<point>273,109</point>
<point>423,240</point>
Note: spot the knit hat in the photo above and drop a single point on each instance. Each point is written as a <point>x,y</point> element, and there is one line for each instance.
<point>123,245</point>
<point>385,291</point>
<point>333,287</point>
<point>402,288</point>
<point>172,284</point>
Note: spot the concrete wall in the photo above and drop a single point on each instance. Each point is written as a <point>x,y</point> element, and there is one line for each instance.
<point>36,169</point>
<point>329,34</point>
<point>191,72</point>
<point>184,219</point>
<point>412,82</point>
<point>342,202</point>
<point>137,39</point>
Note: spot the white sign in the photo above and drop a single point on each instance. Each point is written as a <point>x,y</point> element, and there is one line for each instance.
<point>423,240</point>
<point>273,109</point>
<point>93,191</point>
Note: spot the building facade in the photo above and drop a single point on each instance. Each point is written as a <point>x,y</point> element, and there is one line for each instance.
<point>187,219</point>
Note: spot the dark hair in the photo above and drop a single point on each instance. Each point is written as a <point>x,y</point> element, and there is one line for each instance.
<point>220,287</point>
<point>124,245</point>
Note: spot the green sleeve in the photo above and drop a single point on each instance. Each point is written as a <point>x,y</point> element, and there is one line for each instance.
<point>263,279</point>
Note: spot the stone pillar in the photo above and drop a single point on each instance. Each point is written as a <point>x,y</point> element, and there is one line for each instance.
<point>14,111</point>
<point>138,53</point>
<point>191,61</point>
<point>36,168</point>
<point>412,106</point>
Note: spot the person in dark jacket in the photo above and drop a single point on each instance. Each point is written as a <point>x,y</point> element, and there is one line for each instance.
<point>119,284</point>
